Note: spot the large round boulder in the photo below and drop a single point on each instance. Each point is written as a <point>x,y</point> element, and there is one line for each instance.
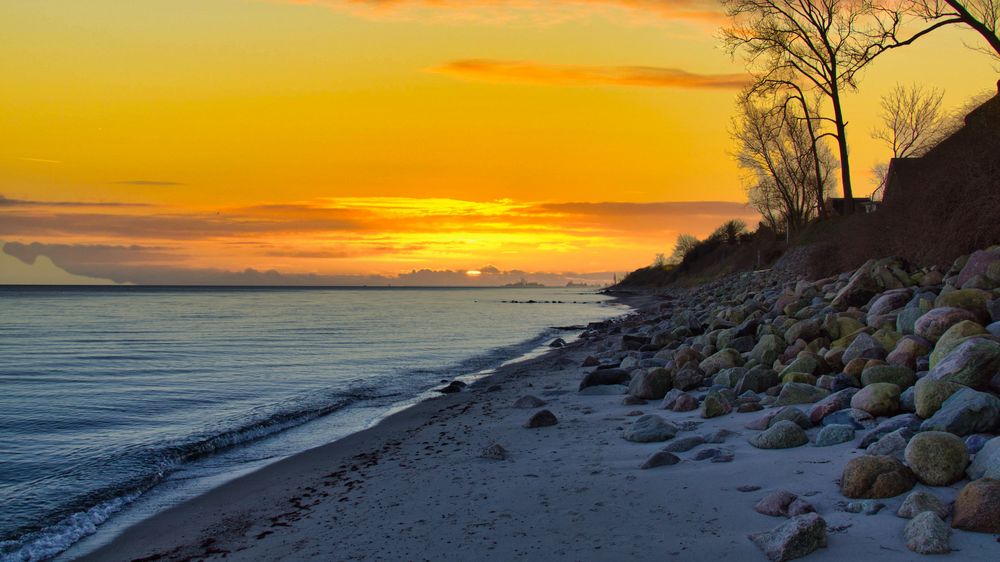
<point>650,428</point>
<point>800,393</point>
<point>937,458</point>
<point>976,507</point>
<point>878,399</point>
<point>651,384</point>
<point>987,461</point>
<point>952,337</point>
<point>934,324</point>
<point>901,376</point>
<point>782,435</point>
<point>930,394</point>
<point>972,300</point>
<point>971,363</point>
<point>876,477</point>
<point>967,411</point>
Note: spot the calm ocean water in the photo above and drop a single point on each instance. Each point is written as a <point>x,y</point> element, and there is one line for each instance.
<point>118,402</point>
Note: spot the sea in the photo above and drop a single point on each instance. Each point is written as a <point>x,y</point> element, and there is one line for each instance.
<point>119,402</point>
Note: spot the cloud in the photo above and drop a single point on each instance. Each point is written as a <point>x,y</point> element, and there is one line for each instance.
<point>147,182</point>
<point>535,11</point>
<point>5,202</point>
<point>580,75</point>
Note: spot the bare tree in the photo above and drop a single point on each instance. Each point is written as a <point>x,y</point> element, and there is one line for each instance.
<point>982,16</point>
<point>787,170</point>
<point>912,120</point>
<point>685,243</point>
<point>823,44</point>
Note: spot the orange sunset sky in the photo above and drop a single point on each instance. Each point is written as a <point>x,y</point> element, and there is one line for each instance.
<point>343,141</point>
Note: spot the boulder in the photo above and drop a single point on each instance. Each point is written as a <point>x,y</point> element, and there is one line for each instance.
<point>907,350</point>
<point>929,394</point>
<point>972,300</point>
<point>684,444</point>
<point>792,414</point>
<point>650,428</point>
<point>986,463</point>
<point>901,376</point>
<point>768,347</point>
<point>832,403</point>
<point>878,399</point>
<point>722,359</point>
<point>715,405</point>
<point>605,377</point>
<point>685,403</point>
<point>979,263</point>
<point>932,325</point>
<point>541,418</point>
<point>926,533</point>
<point>834,435</point>
<point>775,504</point>
<point>952,337</point>
<point>800,393</point>
<point>688,377</point>
<point>651,384</point>
<point>795,538</point>
<point>660,458</point>
<point>529,402</point>
<point>757,379</point>
<point>920,501</point>
<point>494,452</point>
<point>976,507</point>
<point>937,458</point>
<point>967,411</point>
<point>605,390</point>
<point>971,363</point>
<point>859,419</point>
<point>892,444</point>
<point>876,477</point>
<point>808,330</point>
<point>864,346</point>
<point>782,435</point>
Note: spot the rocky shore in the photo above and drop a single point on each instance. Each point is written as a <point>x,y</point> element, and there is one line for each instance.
<point>758,416</point>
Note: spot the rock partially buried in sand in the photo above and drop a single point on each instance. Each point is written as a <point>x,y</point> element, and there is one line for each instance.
<point>453,386</point>
<point>921,501</point>
<point>605,377</point>
<point>793,539</point>
<point>660,458</point>
<point>650,428</point>
<point>834,435</point>
<point>684,444</point>
<point>715,455</point>
<point>775,504</point>
<point>987,461</point>
<point>494,452</point>
<point>976,507</point>
<point>541,418</point>
<point>782,435</point>
<point>876,477</point>
<point>937,458</point>
<point>800,393</point>
<point>967,411</point>
<point>926,533</point>
<point>529,401</point>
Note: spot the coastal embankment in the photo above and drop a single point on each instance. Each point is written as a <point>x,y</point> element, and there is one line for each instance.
<point>758,416</point>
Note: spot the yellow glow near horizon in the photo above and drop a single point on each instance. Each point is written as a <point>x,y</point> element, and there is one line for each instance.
<point>359,137</point>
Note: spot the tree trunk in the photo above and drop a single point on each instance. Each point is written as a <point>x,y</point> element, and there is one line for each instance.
<point>845,164</point>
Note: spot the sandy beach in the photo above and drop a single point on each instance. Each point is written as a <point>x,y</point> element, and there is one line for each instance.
<point>416,487</point>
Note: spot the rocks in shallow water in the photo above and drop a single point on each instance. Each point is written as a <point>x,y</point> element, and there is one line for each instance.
<point>868,507</point>
<point>650,428</point>
<point>605,377</point>
<point>651,384</point>
<point>878,399</point>
<point>541,418</point>
<point>558,342</point>
<point>776,503</point>
<point>795,538</point>
<point>987,461</point>
<point>453,387</point>
<point>967,411</point>
<point>660,458</point>
<point>926,533</point>
<point>684,444</point>
<point>529,401</point>
<point>782,435</point>
<point>494,452</point>
<point>715,455</point>
<point>920,501</point>
<point>876,477</point>
<point>976,507</point>
<point>800,393</point>
<point>937,458</point>
<point>834,435</point>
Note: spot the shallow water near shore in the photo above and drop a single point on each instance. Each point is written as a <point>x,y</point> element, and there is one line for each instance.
<point>119,402</point>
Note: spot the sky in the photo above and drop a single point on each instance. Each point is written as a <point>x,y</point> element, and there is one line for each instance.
<point>381,141</point>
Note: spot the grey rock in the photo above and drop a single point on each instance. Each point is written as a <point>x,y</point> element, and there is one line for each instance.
<point>795,538</point>
<point>868,507</point>
<point>926,533</point>
<point>660,458</point>
<point>920,501</point>
<point>967,411</point>
<point>494,452</point>
<point>834,435</point>
<point>541,418</point>
<point>782,435</point>
<point>800,393</point>
<point>529,401</point>
<point>892,444</point>
<point>650,428</point>
<point>986,463</point>
<point>684,444</point>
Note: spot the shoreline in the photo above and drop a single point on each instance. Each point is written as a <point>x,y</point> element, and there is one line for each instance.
<point>527,354</point>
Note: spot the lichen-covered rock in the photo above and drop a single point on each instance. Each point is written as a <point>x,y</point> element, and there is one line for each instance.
<point>967,411</point>
<point>715,405</point>
<point>976,507</point>
<point>937,458</point>
<point>800,393</point>
<point>863,346</point>
<point>892,444</point>
<point>782,435</point>
<point>901,376</point>
<point>722,359</point>
<point>876,477</point>
<point>832,403</point>
<point>792,414</point>
<point>986,463</point>
<point>878,399</point>
<point>934,324</point>
<point>650,428</point>
<point>651,384</point>
<point>930,394</point>
<point>907,350</point>
<point>972,300</point>
<point>834,435</point>
<point>768,347</point>
<point>926,533</point>
<point>757,379</point>
<point>795,538</point>
<point>920,501</point>
<point>952,337</point>
<point>972,363</point>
